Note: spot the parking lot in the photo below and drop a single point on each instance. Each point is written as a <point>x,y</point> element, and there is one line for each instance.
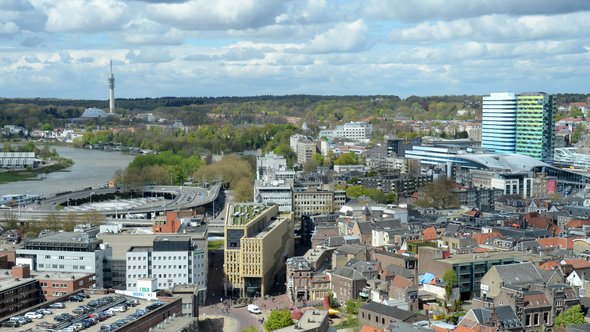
<point>117,318</point>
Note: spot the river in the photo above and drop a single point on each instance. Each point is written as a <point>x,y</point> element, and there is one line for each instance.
<point>92,168</point>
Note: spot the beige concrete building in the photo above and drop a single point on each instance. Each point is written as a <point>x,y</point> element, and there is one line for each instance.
<point>313,201</point>
<point>305,151</point>
<point>258,240</point>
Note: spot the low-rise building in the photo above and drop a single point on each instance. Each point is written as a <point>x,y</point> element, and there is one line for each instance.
<point>67,252</point>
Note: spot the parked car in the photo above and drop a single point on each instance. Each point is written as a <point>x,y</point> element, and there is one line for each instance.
<point>21,319</point>
<point>57,305</point>
<point>44,311</point>
<point>33,315</point>
<point>119,308</point>
<point>76,298</point>
<point>11,323</point>
<point>79,311</point>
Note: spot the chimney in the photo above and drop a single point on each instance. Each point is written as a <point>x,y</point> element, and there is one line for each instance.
<point>21,271</point>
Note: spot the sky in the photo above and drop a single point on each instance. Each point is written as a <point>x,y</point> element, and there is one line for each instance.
<point>62,48</point>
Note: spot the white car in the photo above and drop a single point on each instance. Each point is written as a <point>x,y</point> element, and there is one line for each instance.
<point>33,315</point>
<point>254,309</point>
<point>119,308</point>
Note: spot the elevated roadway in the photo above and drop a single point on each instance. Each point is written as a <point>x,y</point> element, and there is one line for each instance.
<point>211,199</point>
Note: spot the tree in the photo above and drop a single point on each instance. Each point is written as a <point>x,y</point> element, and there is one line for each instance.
<point>352,306</point>
<point>278,319</point>
<point>450,280</point>
<point>578,132</point>
<point>571,316</point>
<point>349,158</point>
<point>438,194</point>
<point>250,329</point>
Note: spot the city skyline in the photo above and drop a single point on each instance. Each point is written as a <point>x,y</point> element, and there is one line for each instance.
<point>62,49</point>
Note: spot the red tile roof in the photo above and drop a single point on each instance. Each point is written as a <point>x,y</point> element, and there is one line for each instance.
<point>562,242</point>
<point>578,263</point>
<point>429,233</point>
<point>577,223</point>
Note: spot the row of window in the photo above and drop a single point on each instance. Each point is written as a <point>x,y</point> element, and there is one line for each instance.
<point>165,275</point>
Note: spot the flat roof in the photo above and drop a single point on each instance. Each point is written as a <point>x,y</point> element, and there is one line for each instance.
<point>64,237</point>
<point>8,282</point>
<point>141,249</point>
<point>467,258</point>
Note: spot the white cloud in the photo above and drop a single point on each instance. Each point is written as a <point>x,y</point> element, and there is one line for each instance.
<point>499,28</point>
<point>344,37</point>
<point>418,10</point>
<point>147,32</point>
<point>81,15</point>
<point>8,28</point>
<point>216,15</point>
<point>149,56</point>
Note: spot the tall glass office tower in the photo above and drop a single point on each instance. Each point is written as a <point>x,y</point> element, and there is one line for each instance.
<point>498,126</point>
<point>535,125</point>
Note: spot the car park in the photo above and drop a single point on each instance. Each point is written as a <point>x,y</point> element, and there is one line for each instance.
<point>33,315</point>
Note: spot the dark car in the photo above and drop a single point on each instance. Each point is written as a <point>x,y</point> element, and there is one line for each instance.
<point>11,323</point>
<point>65,317</point>
<point>76,298</point>
<point>79,311</point>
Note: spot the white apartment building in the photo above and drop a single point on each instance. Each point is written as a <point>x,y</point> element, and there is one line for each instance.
<point>357,131</point>
<point>67,252</point>
<point>274,192</point>
<point>172,260</point>
<point>268,165</point>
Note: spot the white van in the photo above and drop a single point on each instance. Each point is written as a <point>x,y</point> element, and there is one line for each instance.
<point>254,309</point>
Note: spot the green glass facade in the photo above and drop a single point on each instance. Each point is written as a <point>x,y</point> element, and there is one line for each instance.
<point>535,125</point>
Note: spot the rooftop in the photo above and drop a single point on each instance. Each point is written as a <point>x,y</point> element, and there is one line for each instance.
<point>241,214</point>
<point>467,258</point>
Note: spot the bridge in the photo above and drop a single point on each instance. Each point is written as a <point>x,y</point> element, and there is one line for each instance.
<point>209,200</point>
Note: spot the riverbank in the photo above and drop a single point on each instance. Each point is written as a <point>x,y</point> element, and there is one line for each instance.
<point>55,165</point>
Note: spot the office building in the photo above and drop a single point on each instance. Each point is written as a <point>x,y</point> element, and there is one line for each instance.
<point>535,126</point>
<point>311,201</point>
<point>305,151</point>
<point>67,252</point>
<point>356,131</point>
<point>257,242</point>
<point>274,192</point>
<point>396,147</point>
<point>172,260</point>
<point>498,127</point>
<point>268,165</point>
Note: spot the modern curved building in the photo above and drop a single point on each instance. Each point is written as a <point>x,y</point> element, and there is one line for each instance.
<point>498,128</point>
